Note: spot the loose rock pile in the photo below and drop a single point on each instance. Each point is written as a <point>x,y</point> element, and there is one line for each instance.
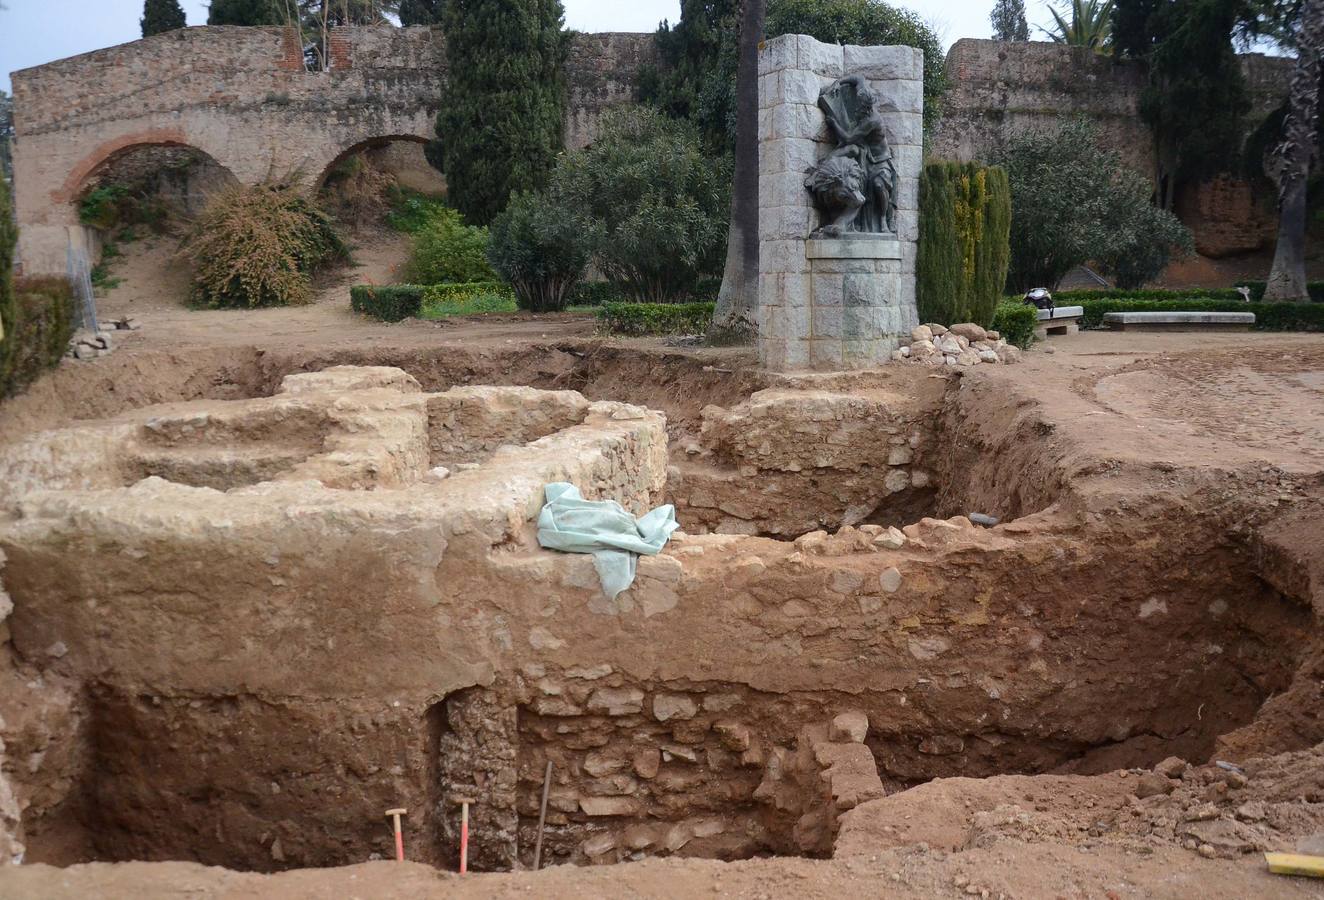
<point>966,344</point>
<point>89,345</point>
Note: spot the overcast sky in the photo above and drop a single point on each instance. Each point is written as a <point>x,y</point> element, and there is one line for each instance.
<point>37,31</point>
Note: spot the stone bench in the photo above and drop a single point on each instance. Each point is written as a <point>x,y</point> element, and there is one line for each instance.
<point>1062,320</point>
<point>1179,321</point>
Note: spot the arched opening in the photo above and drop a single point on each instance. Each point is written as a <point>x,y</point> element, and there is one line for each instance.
<point>136,199</point>
<point>370,179</point>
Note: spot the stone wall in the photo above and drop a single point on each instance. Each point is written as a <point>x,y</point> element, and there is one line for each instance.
<point>1000,89</point>
<point>242,97</point>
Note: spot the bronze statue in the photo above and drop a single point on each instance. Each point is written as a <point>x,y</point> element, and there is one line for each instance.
<point>855,185</point>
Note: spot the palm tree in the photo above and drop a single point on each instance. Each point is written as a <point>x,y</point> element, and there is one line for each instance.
<point>1090,25</point>
<point>1292,159</point>
<point>735,318</point>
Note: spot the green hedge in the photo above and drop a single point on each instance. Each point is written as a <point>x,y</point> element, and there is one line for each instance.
<point>1015,322</point>
<point>38,327</point>
<point>964,242</point>
<point>655,318</point>
<point>1075,297</point>
<point>388,302</point>
<point>1268,316</point>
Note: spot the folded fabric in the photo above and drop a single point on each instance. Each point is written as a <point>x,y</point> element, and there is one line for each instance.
<point>604,528</point>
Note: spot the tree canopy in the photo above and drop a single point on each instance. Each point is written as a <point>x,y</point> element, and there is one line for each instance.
<point>161,15</point>
<point>501,119</point>
<point>1008,20</point>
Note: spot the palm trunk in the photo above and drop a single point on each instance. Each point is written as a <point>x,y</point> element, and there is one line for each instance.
<point>1287,279</point>
<point>735,319</point>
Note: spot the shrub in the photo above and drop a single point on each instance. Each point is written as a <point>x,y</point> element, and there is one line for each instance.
<point>1016,322</point>
<point>38,326</point>
<point>447,250</point>
<point>1076,297</point>
<point>442,300</point>
<point>257,246</point>
<point>965,215</point>
<point>540,245</point>
<point>411,210</point>
<point>1268,316</point>
<point>655,318</point>
<point>388,302</point>
<point>1073,201</point>
<point>661,204</point>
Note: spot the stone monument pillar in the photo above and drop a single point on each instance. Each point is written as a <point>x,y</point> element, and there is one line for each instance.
<point>840,151</point>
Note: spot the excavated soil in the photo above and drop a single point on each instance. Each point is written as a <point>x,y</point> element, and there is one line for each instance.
<point>1115,692</point>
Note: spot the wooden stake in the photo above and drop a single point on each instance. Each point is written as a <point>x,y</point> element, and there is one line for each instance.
<point>399,835</point>
<point>542,816</point>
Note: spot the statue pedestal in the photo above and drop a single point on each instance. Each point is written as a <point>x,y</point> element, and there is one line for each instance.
<point>844,302</point>
<point>855,314</point>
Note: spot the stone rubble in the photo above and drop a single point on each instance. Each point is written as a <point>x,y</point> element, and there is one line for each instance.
<point>964,345</point>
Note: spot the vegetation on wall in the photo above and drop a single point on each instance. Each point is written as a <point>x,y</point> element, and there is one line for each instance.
<point>699,54</point>
<point>1075,201</point>
<point>963,254</point>
<point>258,246</point>
<point>1084,23</point>
<point>500,126</point>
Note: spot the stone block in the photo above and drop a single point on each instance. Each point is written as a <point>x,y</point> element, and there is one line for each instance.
<point>844,266</point>
<point>881,63</point>
<point>850,727</point>
<point>772,353</point>
<point>673,706</point>
<point>825,354</point>
<point>862,323</point>
<point>801,85</point>
<point>797,354</point>
<point>904,128</point>
<point>765,124</point>
<point>795,155</point>
<point>781,52</point>
<point>863,289</point>
<point>794,289</point>
<point>782,189</point>
<point>899,95</point>
<point>769,90</point>
<point>782,256</point>
<point>827,288</point>
<point>608,806</point>
<point>796,321</point>
<point>907,224</point>
<point>909,159</point>
<point>798,120</point>
<point>778,223</point>
<point>862,354</point>
<point>826,322</point>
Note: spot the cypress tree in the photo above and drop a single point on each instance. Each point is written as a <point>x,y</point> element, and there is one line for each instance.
<point>245,12</point>
<point>161,15</point>
<point>938,264</point>
<point>501,120</point>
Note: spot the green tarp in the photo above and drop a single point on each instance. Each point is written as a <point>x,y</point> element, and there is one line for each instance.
<point>604,528</point>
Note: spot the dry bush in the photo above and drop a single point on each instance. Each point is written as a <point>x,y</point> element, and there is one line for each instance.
<point>257,246</point>
<point>358,192</point>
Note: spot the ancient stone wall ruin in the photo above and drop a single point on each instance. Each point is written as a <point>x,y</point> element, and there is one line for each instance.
<point>241,96</point>
<point>233,619</point>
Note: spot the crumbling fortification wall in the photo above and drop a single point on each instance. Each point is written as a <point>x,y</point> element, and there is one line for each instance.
<point>1003,88</point>
<point>242,96</point>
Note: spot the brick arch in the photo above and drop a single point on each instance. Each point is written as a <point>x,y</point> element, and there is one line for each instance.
<point>108,151</point>
<point>365,144</point>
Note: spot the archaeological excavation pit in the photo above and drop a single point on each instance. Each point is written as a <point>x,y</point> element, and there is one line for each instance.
<point>244,629</point>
